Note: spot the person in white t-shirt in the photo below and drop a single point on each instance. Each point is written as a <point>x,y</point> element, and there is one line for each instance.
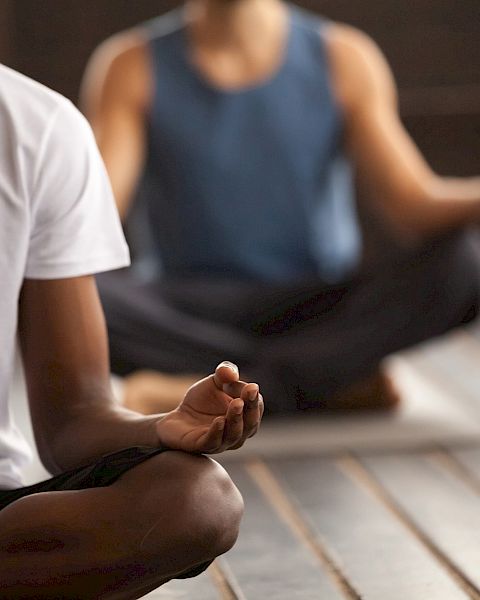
<point>132,503</point>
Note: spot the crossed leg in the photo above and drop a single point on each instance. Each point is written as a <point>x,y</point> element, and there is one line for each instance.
<point>162,518</point>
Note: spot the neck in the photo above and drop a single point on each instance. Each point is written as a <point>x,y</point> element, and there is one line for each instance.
<point>233,22</point>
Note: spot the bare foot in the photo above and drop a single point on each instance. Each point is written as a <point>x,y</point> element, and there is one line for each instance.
<point>150,392</point>
<point>374,393</point>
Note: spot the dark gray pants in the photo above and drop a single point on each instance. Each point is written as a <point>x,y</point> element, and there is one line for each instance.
<point>301,343</point>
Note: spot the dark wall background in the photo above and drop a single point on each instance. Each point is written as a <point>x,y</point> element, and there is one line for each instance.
<point>432,45</point>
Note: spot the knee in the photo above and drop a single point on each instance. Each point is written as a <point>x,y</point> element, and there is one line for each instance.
<point>200,510</point>
<point>213,505</point>
<point>217,525</point>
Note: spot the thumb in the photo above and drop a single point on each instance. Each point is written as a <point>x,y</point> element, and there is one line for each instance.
<point>225,373</point>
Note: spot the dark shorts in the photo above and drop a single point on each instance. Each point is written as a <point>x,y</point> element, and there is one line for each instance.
<point>101,473</point>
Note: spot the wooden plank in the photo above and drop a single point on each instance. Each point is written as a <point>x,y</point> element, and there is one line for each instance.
<point>371,546</point>
<point>438,503</point>
<point>198,588</point>
<point>268,561</point>
<point>452,363</point>
<point>469,459</point>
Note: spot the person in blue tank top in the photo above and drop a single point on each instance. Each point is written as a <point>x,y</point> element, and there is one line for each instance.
<point>236,127</point>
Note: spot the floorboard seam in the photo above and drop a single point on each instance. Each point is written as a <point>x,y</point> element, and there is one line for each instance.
<point>223,581</point>
<point>359,474</point>
<point>274,493</point>
<point>454,467</point>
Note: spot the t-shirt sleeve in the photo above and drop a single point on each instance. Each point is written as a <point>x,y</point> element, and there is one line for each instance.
<point>75,227</point>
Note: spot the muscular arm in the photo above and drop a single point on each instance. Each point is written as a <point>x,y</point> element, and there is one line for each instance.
<point>115,95</point>
<point>412,196</point>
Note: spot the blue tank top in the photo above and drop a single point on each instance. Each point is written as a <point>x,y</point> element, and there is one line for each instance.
<point>249,184</point>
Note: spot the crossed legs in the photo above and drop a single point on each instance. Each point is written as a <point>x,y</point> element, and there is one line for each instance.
<point>162,518</point>
<point>307,347</point>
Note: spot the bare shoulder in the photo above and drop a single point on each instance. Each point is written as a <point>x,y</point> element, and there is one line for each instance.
<point>346,40</point>
<point>120,68</point>
<point>359,68</point>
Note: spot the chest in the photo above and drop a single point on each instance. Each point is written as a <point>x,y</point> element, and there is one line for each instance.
<point>292,124</point>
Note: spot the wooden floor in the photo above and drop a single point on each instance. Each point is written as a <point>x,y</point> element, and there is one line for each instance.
<point>380,508</point>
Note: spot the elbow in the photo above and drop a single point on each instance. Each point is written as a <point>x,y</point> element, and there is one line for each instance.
<point>409,226</point>
<point>424,212</point>
<point>51,448</point>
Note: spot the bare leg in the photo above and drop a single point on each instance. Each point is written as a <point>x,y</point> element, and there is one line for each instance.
<point>165,516</point>
<point>151,392</point>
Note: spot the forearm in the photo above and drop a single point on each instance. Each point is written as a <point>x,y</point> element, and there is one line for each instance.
<point>446,204</point>
<point>64,346</point>
<point>389,164</point>
<point>91,434</point>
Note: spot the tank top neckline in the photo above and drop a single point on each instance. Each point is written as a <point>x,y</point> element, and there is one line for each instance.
<point>264,83</point>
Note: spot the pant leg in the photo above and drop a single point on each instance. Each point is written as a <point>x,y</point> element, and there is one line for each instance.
<point>335,344</point>
<point>149,329</point>
<point>300,344</point>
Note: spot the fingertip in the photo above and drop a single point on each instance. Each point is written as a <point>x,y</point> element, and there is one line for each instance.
<point>236,405</point>
<point>251,392</point>
<point>226,372</point>
<point>235,410</point>
<point>229,365</point>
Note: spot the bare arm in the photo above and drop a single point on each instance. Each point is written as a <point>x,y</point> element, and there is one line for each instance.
<point>115,97</point>
<point>75,420</point>
<point>413,197</point>
<point>65,354</point>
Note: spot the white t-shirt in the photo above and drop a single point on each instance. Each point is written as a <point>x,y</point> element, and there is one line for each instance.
<point>57,218</point>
